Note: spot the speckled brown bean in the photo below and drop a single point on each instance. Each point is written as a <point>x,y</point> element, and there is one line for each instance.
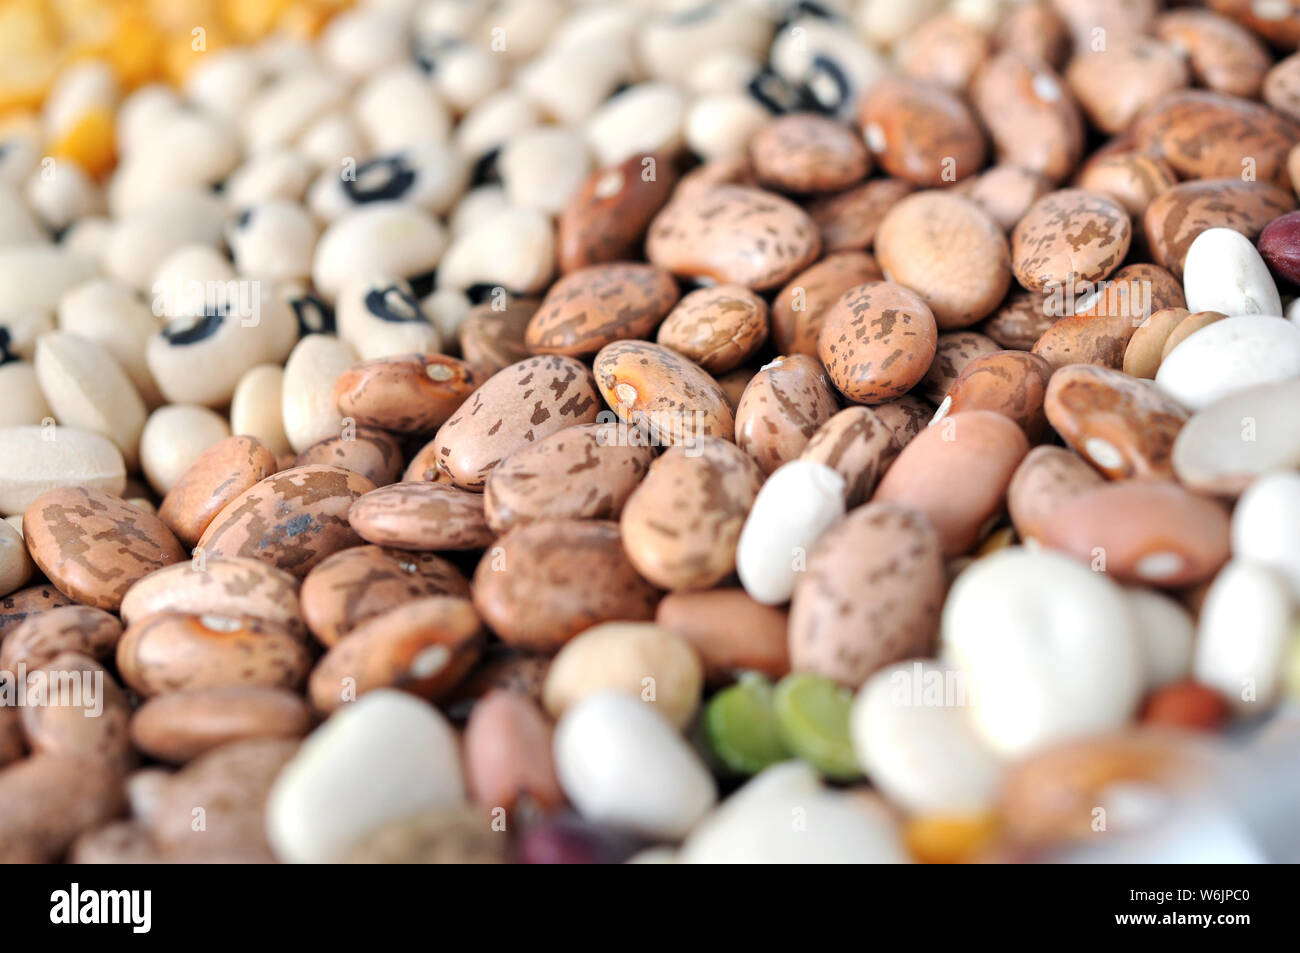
<point>848,221</point>
<point>1146,347</point>
<point>800,307</point>
<point>949,251</point>
<point>421,516</point>
<point>733,384</point>
<point>905,417</point>
<point>360,583</point>
<point>1029,114</point>
<point>784,404</point>
<point>1130,178</point>
<point>232,783</point>
<point>731,631</point>
<point>734,235</point>
<point>12,745</point>
<point>953,351</point>
<point>857,445</point>
<point>91,726</point>
<point>508,753</point>
<point>1206,135</point>
<point>1011,383</point>
<point>1282,86</point>
<point>46,801</point>
<point>423,647</point>
<point>656,389</point>
<point>1068,238</point>
<point>233,584</point>
<point>1006,192</point>
<point>945,49</point>
<point>544,582</point>
<point>81,629</point>
<point>681,525</point>
<point>1036,32</point>
<point>1223,56</point>
<point>374,454</point>
<point>516,407</point>
<point>291,520</point>
<point>218,475</point>
<point>583,472</point>
<point>718,328</point>
<point>1099,332</point>
<point>956,473</point>
<point>180,726</point>
<point>492,337</point>
<point>501,667</point>
<point>173,651</point>
<point>1149,532</point>
<point>17,607</point>
<point>1020,321</point>
<point>727,170</point>
<point>877,342</point>
<point>921,132</point>
<point>607,217</point>
<point>408,394</point>
<point>1123,426</point>
<point>1047,478</point>
<point>93,546</point>
<point>1114,84</point>
<point>590,307</point>
<point>871,594</point>
<point>807,152</point>
<point>1174,218</point>
<point>423,467</point>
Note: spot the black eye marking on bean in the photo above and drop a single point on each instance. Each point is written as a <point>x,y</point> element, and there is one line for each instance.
<point>395,304</point>
<point>177,332</point>
<point>485,169</point>
<point>217,188</point>
<point>426,53</point>
<point>422,285</point>
<point>245,217</point>
<point>6,355</point>
<point>314,316</point>
<point>388,177</point>
<point>704,11</point>
<point>823,65</point>
<point>775,93</point>
<point>479,293</point>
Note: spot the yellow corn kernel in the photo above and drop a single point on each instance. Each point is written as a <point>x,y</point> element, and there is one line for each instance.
<point>24,81</point>
<point>948,838</point>
<point>183,51</point>
<point>251,20</point>
<point>182,16</point>
<point>90,143</point>
<point>304,19</point>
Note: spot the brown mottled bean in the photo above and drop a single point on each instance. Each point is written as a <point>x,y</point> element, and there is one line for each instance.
<point>1114,84</point>
<point>1068,238</point>
<point>663,393</point>
<point>546,581</point>
<point>1124,426</point>
<point>1222,55</point>
<point>877,342</point>
<point>94,546</point>
<point>583,472</point>
<point>218,475</point>
<point>681,525</point>
<point>734,235</point>
<point>372,453</point>
<point>857,445</point>
<point>921,132</point>
<point>92,633</point>
<point>421,516</point>
<point>492,338</point>
<point>1175,217</point>
<point>905,417</point>
<point>17,607</point>
<point>220,584</point>
<point>423,647</point>
<point>1047,478</point>
<point>360,583</point>
<point>1029,114</point>
<point>1130,178</point>
<point>607,217</point>
<point>173,651</point>
<point>1006,192</point>
<point>1282,87</point>
<point>953,351</point>
<point>871,594</point>
<point>1011,383</point>
<point>516,407</point>
<point>730,630</point>
<point>784,404</point>
<point>590,307</point>
<point>90,725</point>
<point>945,49</point>
<point>807,152</point>
<point>718,328</point>
<point>180,726</point>
<point>47,801</point>
<point>407,394</point>
<point>800,307</point>
<point>848,220</point>
<point>1020,321</point>
<point>291,520</point>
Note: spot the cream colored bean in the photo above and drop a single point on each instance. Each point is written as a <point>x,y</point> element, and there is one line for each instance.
<point>307,395</point>
<point>21,400</point>
<point>36,459</point>
<point>117,318</point>
<point>173,437</point>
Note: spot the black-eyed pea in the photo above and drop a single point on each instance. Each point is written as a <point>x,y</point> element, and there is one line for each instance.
<point>513,248</point>
<point>381,317</point>
<point>273,241</point>
<point>307,389</point>
<point>379,238</point>
<point>121,321</point>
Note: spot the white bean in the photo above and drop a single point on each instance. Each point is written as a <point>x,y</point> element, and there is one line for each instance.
<point>173,438</point>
